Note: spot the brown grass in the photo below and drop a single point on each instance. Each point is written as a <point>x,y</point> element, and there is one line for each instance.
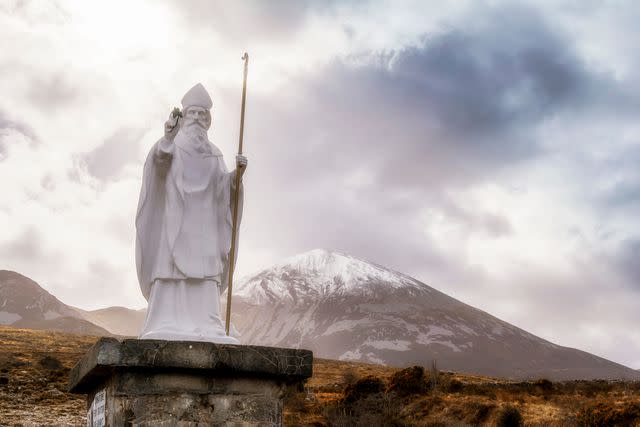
<point>34,366</point>
<point>459,400</point>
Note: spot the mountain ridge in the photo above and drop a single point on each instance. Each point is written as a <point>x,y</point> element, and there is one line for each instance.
<point>346,308</point>
<point>25,304</point>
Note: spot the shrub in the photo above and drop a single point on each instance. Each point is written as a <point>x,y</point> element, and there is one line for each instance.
<point>605,414</point>
<point>408,381</point>
<point>479,412</point>
<point>350,376</point>
<point>362,388</point>
<point>454,386</point>
<point>59,375</point>
<point>509,416</point>
<point>50,363</point>
<point>369,410</point>
<point>544,385</point>
<point>595,387</point>
<point>364,403</point>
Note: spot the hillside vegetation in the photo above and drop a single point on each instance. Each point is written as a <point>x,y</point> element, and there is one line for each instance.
<point>34,366</point>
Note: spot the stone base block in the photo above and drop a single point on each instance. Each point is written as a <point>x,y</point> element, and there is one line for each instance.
<point>177,383</point>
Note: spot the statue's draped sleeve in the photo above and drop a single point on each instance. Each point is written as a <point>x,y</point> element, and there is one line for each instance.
<point>151,211</point>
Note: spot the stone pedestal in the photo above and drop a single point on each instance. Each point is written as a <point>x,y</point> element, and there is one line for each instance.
<point>178,383</point>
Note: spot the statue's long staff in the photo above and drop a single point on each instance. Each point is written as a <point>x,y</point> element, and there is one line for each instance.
<point>232,253</point>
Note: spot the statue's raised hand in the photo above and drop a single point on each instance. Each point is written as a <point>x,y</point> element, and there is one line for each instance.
<point>171,126</point>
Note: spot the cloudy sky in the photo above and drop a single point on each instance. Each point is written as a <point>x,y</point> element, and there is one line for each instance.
<point>487,148</point>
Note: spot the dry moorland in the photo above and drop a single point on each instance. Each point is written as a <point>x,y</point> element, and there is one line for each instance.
<point>34,366</point>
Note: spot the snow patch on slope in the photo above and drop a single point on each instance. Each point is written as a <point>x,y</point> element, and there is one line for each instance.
<point>351,355</point>
<point>346,325</point>
<point>50,314</point>
<point>396,345</point>
<point>7,318</point>
<point>449,344</point>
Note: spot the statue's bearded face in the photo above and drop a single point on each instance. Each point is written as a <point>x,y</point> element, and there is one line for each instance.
<point>197,116</point>
<point>194,126</point>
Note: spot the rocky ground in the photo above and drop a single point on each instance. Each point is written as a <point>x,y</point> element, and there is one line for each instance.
<point>34,367</point>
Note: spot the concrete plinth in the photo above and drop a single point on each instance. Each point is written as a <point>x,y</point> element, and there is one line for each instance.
<point>178,383</point>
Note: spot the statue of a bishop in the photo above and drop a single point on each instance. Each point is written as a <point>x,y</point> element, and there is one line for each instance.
<point>184,227</point>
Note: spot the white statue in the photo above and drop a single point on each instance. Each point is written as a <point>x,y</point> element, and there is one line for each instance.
<point>184,227</point>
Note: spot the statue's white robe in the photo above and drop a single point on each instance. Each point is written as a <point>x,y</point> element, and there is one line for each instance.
<point>183,240</point>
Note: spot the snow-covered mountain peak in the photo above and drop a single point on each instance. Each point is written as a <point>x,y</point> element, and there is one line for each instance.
<point>320,273</point>
<point>343,307</point>
<point>313,260</point>
<point>329,263</point>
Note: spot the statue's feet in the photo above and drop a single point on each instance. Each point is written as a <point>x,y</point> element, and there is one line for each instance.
<point>181,336</point>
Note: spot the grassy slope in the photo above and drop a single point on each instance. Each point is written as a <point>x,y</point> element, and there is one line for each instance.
<point>36,392</point>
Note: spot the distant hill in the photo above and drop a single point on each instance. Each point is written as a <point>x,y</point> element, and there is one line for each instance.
<point>64,324</point>
<point>117,320</point>
<point>25,304</point>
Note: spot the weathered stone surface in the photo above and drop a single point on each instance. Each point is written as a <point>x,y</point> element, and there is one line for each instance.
<point>170,383</point>
<point>223,360</point>
<point>171,401</point>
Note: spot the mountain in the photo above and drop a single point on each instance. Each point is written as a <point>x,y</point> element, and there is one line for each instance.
<point>24,304</point>
<point>117,320</point>
<point>345,308</point>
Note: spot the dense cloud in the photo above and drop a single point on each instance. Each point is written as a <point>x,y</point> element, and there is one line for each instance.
<point>120,149</point>
<point>367,146</point>
<point>7,124</point>
<point>628,262</point>
<point>488,150</point>
<point>250,21</point>
<point>458,99</point>
<point>27,245</point>
<point>53,92</point>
